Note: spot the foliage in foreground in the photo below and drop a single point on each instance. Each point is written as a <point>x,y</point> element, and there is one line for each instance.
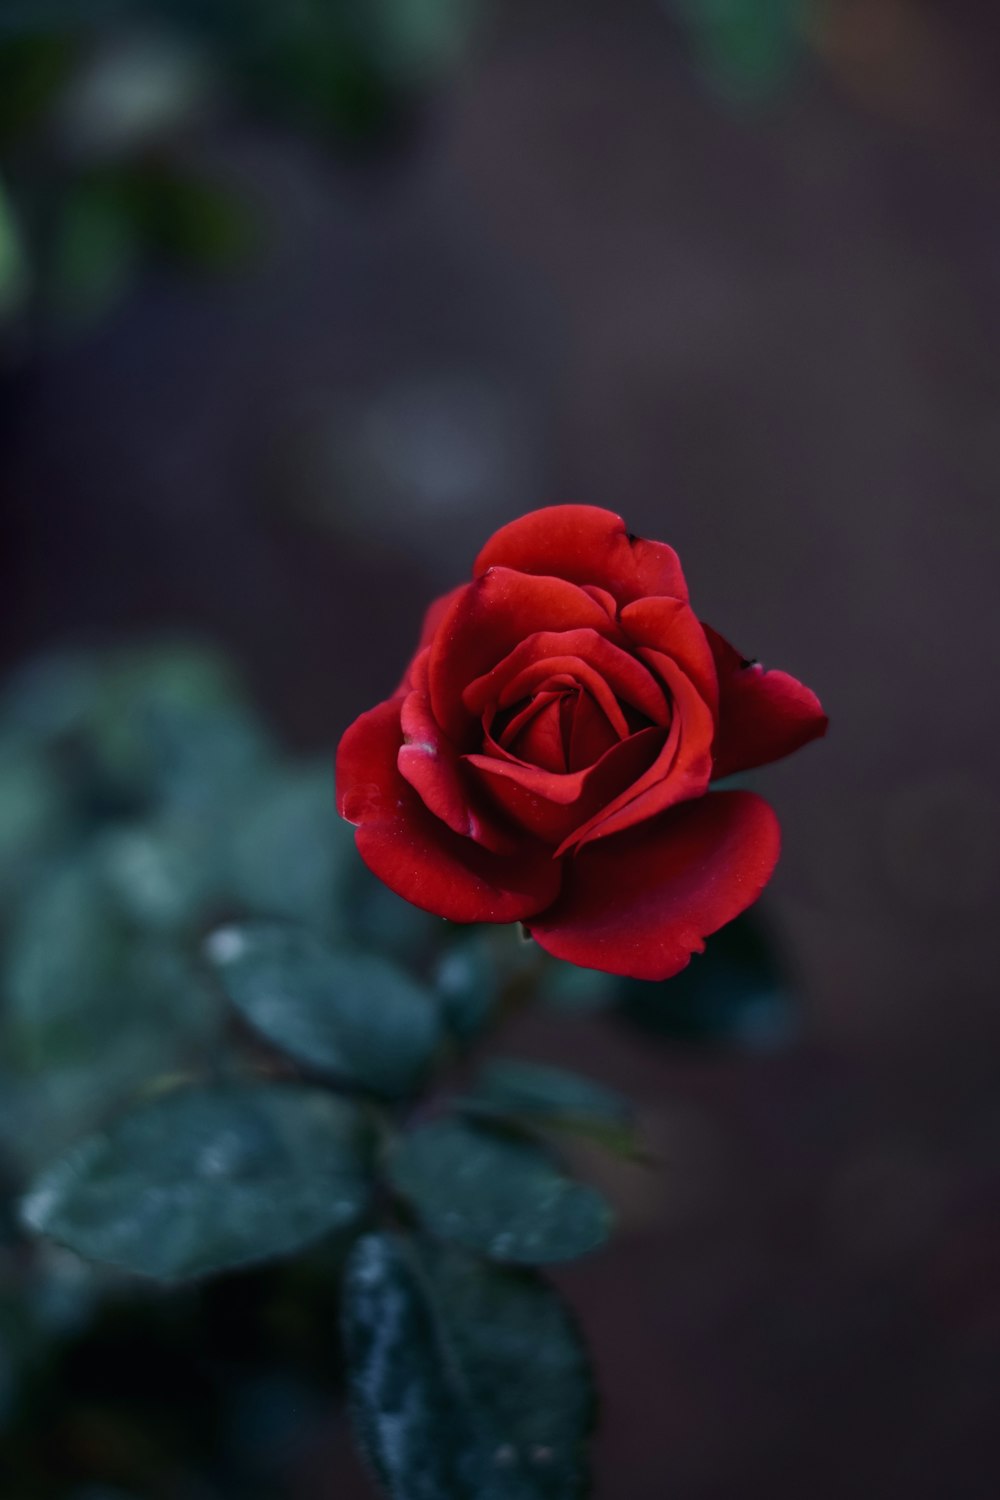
<point>228,1049</point>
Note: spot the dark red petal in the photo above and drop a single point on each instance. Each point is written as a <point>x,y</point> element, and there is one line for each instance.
<point>587,545</point>
<point>567,673</point>
<point>641,903</point>
<point>591,733</point>
<point>682,770</point>
<point>626,677</point>
<point>762,715</point>
<point>484,624</point>
<point>551,806</point>
<point>417,855</point>
<point>428,761</point>
<point>432,619</point>
<point>540,742</point>
<point>670,626</point>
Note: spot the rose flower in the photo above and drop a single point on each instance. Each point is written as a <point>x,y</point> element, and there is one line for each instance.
<point>549,755</point>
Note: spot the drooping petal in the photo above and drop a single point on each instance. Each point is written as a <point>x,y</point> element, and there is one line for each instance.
<point>484,624</point>
<point>641,903</point>
<point>417,855</point>
<point>587,545</point>
<point>763,715</point>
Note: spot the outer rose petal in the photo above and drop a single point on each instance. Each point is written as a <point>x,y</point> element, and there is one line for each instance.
<point>432,618</point>
<point>762,715</point>
<point>587,545</point>
<point>641,903</point>
<point>429,763</point>
<point>417,855</point>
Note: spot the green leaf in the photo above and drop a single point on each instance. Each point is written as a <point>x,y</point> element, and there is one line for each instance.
<point>564,987</point>
<point>534,1094</point>
<point>94,252</point>
<point>200,224</point>
<point>347,1015</point>
<point>162,875</point>
<point>289,848</point>
<point>35,65</point>
<point>15,275</point>
<point>206,1180</point>
<point>467,1382</point>
<point>746,48</point>
<point>64,952</point>
<point>467,978</point>
<point>34,811</point>
<point>496,1194</point>
<point>734,993</point>
<point>170,724</point>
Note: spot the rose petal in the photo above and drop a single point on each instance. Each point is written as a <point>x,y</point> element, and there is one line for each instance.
<point>762,715</point>
<point>414,853</point>
<point>428,761</point>
<point>683,768</point>
<point>641,903</point>
<point>588,546</point>
<point>540,742</point>
<point>433,616</point>
<point>552,806</point>
<point>626,677</point>
<point>671,626</point>
<point>590,733</point>
<point>486,622</point>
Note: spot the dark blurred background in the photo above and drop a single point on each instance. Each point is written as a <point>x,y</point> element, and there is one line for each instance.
<point>298,306</point>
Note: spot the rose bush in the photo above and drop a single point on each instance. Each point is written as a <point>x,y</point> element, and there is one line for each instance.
<point>549,754</point>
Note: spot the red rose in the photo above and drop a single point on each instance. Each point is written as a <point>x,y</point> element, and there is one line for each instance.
<point>547,756</point>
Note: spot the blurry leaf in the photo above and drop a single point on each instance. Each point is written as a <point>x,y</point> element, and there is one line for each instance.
<point>159,1018</point>
<point>171,722</point>
<point>565,987</point>
<point>735,993</point>
<point>63,955</point>
<point>33,811</point>
<point>200,224</point>
<point>747,48</point>
<point>207,1180</point>
<point>51,695</point>
<point>314,62</point>
<point>15,277</point>
<point>349,1015</point>
<point>467,979</point>
<point>496,1194</point>
<point>376,917</point>
<point>467,1382</point>
<point>134,89</point>
<point>531,1093</point>
<point>290,847</point>
<point>34,66</point>
<point>93,254</point>
<point>419,38</point>
<point>162,875</point>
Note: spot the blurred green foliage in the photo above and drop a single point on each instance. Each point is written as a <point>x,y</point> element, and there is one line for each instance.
<point>185,931</point>
<point>746,50</point>
<point>105,107</point>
